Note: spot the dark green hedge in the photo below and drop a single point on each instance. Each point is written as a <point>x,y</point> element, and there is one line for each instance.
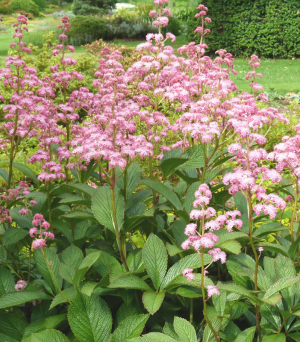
<point>268,28</point>
<point>87,29</point>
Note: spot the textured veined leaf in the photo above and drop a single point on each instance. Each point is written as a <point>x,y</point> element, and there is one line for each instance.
<point>246,336</point>
<point>90,318</point>
<point>44,268</point>
<point>152,301</point>
<point>185,330</point>
<point>130,327</point>
<point>7,282</point>
<point>164,191</point>
<point>280,285</point>
<point>130,282</point>
<point>103,209</point>
<point>49,335</point>
<point>276,338</point>
<point>18,298</point>
<point>190,261</point>
<point>158,337</point>
<point>4,175</point>
<point>156,259</point>
<point>12,325</point>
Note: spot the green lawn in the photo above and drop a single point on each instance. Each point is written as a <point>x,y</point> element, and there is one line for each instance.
<point>281,74</point>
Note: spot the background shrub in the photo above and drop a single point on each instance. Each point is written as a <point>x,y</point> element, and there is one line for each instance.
<point>173,27</point>
<point>6,10</point>
<point>25,5</point>
<point>40,3</point>
<point>268,28</point>
<point>86,29</point>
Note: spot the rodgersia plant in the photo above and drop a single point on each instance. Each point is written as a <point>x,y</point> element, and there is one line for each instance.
<point>154,196</point>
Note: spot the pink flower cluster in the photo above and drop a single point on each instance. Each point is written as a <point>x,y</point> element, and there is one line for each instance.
<point>39,224</point>
<point>20,285</point>
<point>200,241</point>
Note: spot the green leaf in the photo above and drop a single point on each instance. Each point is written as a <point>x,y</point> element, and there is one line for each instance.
<point>103,209</point>
<point>190,261</point>
<point>45,270</point>
<point>231,332</point>
<point>105,263</point>
<point>14,235</point>
<point>233,288</point>
<point>85,265</point>
<point>18,298</point>
<point>76,199</point>
<point>26,171</point>
<point>241,203</point>
<point>268,229</point>
<point>284,267</point>
<point>90,318</point>
<point>88,288</point>
<point>72,256</point>
<point>272,315</point>
<point>164,191</point>
<point>49,335</point>
<point>79,215</point>
<point>231,246</point>
<point>4,175</point>
<point>190,196</point>
<point>295,336</point>
<point>219,302</point>
<point>275,338</point>
<point>7,282</point>
<point>129,281</point>
<point>133,176</point>
<point>274,247</point>
<point>246,335</point>
<point>69,293</point>
<point>189,291</point>
<point>238,309</point>
<point>280,285</point>
<point>12,325</point>
<point>184,330</point>
<point>156,259</point>
<point>152,301</point>
<point>158,337</point>
<point>169,330</point>
<point>294,248</point>
<point>196,158</point>
<point>67,272</point>
<point>168,166</point>
<point>44,323</point>
<point>130,327</point>
<point>83,188</point>
<point>173,249</point>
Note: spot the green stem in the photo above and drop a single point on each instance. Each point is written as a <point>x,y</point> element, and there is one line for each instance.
<point>49,202</point>
<point>53,276</point>
<point>118,237</point>
<point>294,213</point>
